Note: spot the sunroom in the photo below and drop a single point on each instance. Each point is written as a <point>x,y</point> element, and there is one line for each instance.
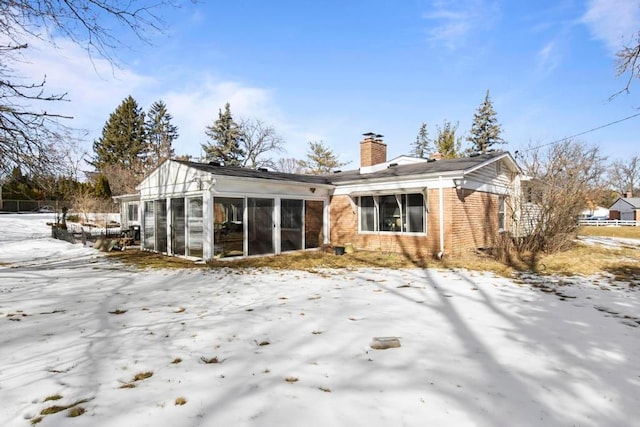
<point>208,211</point>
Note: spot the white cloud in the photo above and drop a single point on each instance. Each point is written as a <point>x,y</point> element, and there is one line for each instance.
<point>455,20</point>
<point>197,106</point>
<point>548,58</point>
<point>95,88</point>
<point>613,21</point>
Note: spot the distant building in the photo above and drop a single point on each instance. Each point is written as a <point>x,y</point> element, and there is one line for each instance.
<point>625,209</point>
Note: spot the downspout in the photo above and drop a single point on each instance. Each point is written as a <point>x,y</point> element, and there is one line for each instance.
<point>441,209</point>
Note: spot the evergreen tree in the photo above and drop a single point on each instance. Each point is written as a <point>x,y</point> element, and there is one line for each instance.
<point>485,130</point>
<point>226,136</point>
<point>446,142</point>
<point>160,133</point>
<point>102,188</point>
<point>123,142</point>
<point>320,159</point>
<point>421,146</point>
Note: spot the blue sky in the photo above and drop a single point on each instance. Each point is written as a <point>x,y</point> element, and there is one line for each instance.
<point>332,70</point>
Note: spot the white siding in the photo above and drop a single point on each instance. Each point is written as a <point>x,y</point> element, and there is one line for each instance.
<point>490,178</point>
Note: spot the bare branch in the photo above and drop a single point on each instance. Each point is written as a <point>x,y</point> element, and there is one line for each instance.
<point>628,61</point>
<point>28,131</point>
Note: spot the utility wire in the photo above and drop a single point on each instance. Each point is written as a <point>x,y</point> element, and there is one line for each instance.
<point>577,134</point>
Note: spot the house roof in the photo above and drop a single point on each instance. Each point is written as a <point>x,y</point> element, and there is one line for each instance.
<point>255,173</point>
<point>462,165</point>
<point>633,201</point>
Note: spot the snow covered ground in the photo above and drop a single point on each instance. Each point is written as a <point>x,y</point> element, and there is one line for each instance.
<point>292,348</point>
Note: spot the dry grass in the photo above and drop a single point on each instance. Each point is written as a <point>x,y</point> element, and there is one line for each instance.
<point>580,259</point>
<point>59,408</point>
<point>313,261</point>
<point>180,401</point>
<point>588,260</point>
<point>76,411</point>
<point>626,232</point>
<point>53,397</point>
<point>142,376</point>
<point>138,377</point>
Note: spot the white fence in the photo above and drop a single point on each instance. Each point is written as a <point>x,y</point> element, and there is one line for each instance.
<point>608,223</point>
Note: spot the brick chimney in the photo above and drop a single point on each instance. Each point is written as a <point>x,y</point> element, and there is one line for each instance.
<point>372,150</point>
<point>435,156</point>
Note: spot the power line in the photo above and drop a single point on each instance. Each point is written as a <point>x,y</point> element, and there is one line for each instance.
<point>578,134</point>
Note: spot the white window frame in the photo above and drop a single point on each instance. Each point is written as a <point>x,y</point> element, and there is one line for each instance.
<point>403,212</point>
<point>502,211</point>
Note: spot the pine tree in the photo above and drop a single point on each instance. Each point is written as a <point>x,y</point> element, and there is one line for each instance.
<point>160,133</point>
<point>226,135</point>
<point>123,142</point>
<point>446,142</point>
<point>485,130</point>
<point>320,159</point>
<point>421,146</point>
<point>102,188</point>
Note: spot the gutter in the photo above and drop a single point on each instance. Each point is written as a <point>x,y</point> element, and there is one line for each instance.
<point>441,211</point>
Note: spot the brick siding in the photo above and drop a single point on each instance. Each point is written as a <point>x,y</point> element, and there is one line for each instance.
<point>470,222</point>
<point>372,152</point>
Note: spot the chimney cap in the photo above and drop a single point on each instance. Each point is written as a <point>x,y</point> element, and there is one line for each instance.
<point>369,134</point>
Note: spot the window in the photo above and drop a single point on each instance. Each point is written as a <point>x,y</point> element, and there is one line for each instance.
<point>415,213</point>
<point>291,224</point>
<point>389,214</point>
<point>396,213</point>
<point>367,214</point>
<point>195,226</point>
<point>132,211</point>
<point>501,213</point>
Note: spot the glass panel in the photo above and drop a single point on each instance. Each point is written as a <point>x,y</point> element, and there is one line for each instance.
<point>415,213</point>
<point>390,219</point>
<point>149,226</point>
<point>132,211</point>
<point>290,225</point>
<point>178,238</point>
<point>228,238</point>
<point>367,214</point>
<point>313,221</point>
<point>161,225</point>
<point>501,210</point>
<point>195,227</point>
<point>260,226</point>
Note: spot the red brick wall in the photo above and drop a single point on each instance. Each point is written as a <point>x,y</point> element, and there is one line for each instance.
<point>313,220</point>
<point>472,215</point>
<point>372,152</point>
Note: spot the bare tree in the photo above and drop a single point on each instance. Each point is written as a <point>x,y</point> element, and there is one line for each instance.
<point>628,62</point>
<point>288,165</point>
<point>28,128</point>
<point>624,176</point>
<point>564,178</point>
<point>259,142</point>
